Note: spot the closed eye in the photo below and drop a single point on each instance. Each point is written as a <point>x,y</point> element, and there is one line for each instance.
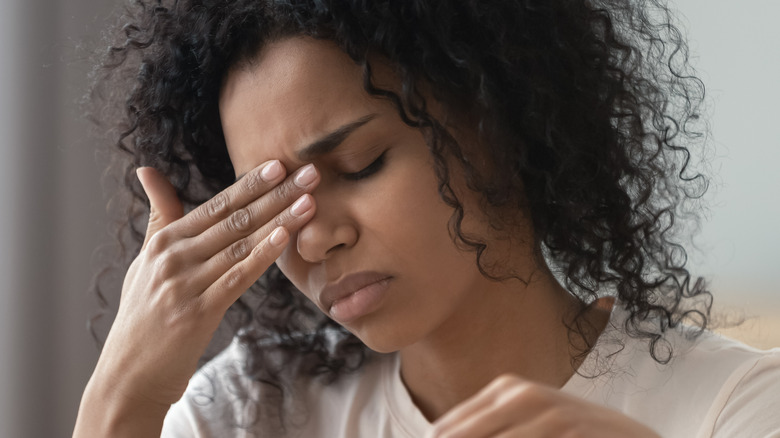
<point>368,171</point>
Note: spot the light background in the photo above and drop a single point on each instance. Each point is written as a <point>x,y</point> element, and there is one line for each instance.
<point>51,206</point>
<point>736,49</point>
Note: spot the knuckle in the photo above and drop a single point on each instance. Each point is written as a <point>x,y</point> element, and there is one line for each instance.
<point>217,205</point>
<point>234,278</point>
<point>531,392</point>
<point>513,391</point>
<point>252,181</point>
<point>279,221</point>
<point>507,399</point>
<point>260,251</point>
<point>285,191</point>
<point>238,250</point>
<point>506,380</point>
<point>158,243</point>
<point>239,220</point>
<point>165,265</point>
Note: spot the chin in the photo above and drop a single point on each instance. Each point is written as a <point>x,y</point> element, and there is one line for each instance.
<point>382,338</point>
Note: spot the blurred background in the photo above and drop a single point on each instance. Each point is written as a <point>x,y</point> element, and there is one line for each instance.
<point>52,207</point>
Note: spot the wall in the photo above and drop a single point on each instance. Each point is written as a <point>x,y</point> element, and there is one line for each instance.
<point>736,48</point>
<point>50,214</point>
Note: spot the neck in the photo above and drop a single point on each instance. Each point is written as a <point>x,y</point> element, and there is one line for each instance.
<point>507,327</point>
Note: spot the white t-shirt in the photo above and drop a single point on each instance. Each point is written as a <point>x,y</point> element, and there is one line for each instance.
<point>713,387</point>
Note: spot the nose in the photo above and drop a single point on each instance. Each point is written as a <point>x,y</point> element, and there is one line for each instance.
<point>327,232</point>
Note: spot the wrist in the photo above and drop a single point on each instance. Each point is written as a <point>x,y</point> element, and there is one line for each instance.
<point>106,411</point>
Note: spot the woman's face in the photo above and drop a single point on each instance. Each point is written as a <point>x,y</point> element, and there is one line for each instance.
<point>378,212</point>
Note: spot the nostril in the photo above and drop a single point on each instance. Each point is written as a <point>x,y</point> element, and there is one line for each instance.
<point>339,246</point>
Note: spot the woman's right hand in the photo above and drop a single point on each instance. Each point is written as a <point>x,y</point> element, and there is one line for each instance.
<point>191,268</point>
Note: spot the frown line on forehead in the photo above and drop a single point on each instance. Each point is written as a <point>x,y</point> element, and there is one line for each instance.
<point>330,141</point>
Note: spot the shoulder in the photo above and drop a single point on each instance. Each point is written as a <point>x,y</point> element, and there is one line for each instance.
<point>732,389</point>
<point>749,399</point>
<point>713,385</point>
<point>714,360</point>
<point>739,384</point>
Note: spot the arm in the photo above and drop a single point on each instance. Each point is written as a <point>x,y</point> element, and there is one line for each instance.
<point>189,271</point>
<point>106,414</point>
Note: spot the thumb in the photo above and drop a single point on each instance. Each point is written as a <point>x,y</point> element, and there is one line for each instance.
<point>165,205</point>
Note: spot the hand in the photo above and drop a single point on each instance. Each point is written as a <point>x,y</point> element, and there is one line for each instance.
<point>189,271</point>
<point>512,407</point>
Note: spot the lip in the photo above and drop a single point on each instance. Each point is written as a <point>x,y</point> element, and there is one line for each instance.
<point>347,286</point>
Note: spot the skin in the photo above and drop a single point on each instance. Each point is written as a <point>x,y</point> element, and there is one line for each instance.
<point>189,271</point>
<point>451,325</point>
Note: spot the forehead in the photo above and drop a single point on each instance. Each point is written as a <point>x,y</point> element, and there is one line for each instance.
<point>294,91</point>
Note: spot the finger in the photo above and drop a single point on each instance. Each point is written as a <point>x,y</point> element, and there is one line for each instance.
<point>505,400</point>
<point>257,214</point>
<point>251,186</point>
<point>226,290</point>
<point>524,431</point>
<point>488,420</point>
<point>165,206</point>
<point>479,401</point>
<point>292,219</point>
<point>549,423</point>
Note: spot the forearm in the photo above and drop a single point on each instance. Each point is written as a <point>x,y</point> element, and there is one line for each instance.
<point>103,413</point>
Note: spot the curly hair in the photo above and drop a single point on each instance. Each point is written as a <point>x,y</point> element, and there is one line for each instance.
<point>585,110</point>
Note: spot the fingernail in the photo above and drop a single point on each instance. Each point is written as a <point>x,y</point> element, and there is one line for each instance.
<point>277,237</point>
<point>271,171</point>
<point>301,206</point>
<point>306,176</point>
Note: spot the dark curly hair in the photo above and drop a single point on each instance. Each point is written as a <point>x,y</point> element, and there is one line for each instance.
<point>585,112</point>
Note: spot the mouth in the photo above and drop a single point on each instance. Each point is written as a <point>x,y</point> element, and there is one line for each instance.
<point>355,295</point>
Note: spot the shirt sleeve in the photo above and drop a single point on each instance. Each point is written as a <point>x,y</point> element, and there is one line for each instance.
<point>211,405</point>
<point>180,423</point>
<point>190,417</point>
<point>752,406</point>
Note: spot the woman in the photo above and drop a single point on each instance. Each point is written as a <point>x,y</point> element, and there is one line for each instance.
<point>461,215</point>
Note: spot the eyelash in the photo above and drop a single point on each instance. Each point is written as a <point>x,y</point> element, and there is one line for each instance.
<point>368,171</point>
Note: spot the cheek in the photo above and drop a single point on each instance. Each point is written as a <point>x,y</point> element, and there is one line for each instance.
<point>401,222</point>
<point>411,218</point>
<point>291,265</point>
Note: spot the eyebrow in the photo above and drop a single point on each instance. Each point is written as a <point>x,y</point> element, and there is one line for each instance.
<point>330,141</point>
